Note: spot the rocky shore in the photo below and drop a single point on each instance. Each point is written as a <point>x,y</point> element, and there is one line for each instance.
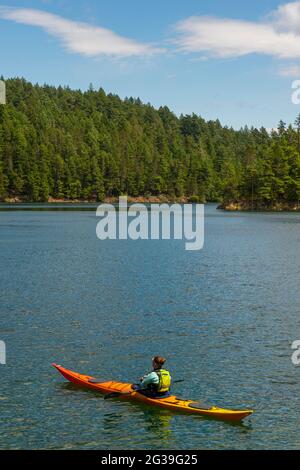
<point>249,206</point>
<point>159,199</point>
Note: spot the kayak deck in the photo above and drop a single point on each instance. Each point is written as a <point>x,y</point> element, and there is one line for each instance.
<point>170,403</point>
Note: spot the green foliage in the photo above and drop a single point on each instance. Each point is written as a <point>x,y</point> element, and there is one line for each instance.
<point>194,199</point>
<point>55,142</point>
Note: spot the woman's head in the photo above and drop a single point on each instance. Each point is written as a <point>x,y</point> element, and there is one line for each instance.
<point>158,362</point>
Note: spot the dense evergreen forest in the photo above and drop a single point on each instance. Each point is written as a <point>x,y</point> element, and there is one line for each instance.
<point>69,144</point>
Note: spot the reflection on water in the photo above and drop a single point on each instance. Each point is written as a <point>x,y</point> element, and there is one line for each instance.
<point>158,423</point>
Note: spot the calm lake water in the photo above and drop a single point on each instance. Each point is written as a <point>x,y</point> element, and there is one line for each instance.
<point>225,317</point>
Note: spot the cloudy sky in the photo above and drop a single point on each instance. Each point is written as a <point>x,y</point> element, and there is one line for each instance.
<point>218,58</point>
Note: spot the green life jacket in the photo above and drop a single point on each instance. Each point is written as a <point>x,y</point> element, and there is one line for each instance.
<point>164,384</point>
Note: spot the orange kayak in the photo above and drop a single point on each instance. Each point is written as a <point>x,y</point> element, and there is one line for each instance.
<point>171,403</point>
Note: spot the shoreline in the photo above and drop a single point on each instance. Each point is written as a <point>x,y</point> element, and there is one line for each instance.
<point>230,206</point>
<point>246,206</point>
<point>162,198</point>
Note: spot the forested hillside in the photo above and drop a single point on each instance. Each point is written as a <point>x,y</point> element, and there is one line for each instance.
<point>65,144</point>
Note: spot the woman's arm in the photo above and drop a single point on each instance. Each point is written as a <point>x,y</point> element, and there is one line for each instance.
<point>149,379</point>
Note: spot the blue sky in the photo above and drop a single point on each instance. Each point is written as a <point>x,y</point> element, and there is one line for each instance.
<point>221,59</point>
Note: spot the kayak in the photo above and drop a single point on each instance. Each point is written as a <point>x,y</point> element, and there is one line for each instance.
<point>171,403</point>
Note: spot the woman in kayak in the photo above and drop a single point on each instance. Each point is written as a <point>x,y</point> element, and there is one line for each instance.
<point>157,383</point>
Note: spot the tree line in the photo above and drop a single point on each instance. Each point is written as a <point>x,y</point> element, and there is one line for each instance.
<point>70,144</point>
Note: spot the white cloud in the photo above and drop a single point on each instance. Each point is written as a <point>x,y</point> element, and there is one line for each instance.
<point>278,35</point>
<point>79,37</point>
<point>287,17</point>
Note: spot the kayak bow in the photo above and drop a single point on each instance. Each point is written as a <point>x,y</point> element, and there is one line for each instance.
<point>171,403</point>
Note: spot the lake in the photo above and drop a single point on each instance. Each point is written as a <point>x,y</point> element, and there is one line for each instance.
<point>225,317</point>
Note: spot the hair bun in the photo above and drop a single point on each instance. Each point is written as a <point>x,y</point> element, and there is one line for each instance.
<point>159,360</point>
